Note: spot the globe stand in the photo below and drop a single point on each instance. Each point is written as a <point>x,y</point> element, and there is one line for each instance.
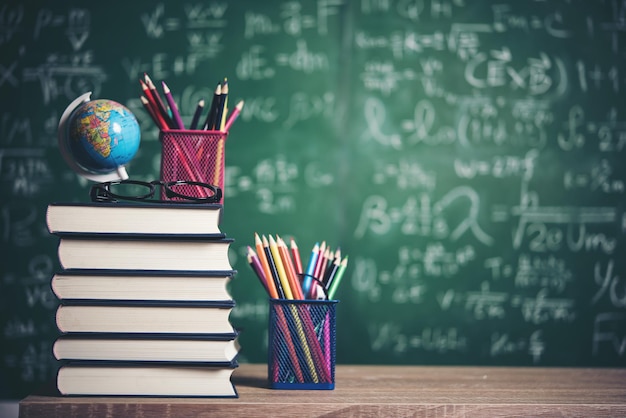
<point>118,174</point>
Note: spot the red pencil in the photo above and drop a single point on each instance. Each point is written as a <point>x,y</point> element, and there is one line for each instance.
<point>296,257</point>
<point>160,106</point>
<point>162,123</point>
<point>146,105</point>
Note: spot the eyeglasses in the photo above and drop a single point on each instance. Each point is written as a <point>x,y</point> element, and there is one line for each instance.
<point>181,191</point>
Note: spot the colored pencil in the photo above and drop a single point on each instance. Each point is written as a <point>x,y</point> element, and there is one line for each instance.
<point>319,261</point>
<point>296,287</point>
<point>196,115</point>
<point>296,256</point>
<point>323,264</point>
<point>233,116</point>
<point>162,123</point>
<point>271,284</point>
<point>218,122</point>
<point>157,101</point>
<point>208,122</point>
<point>280,268</point>
<point>150,110</point>
<point>310,270</point>
<point>337,279</point>
<point>178,121</point>
<point>272,265</point>
<point>254,262</point>
<point>334,267</point>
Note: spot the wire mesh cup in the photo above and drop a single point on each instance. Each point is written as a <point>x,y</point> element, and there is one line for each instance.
<point>194,156</point>
<point>301,346</point>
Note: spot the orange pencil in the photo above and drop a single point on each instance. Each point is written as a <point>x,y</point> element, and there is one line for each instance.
<point>271,286</point>
<point>296,288</point>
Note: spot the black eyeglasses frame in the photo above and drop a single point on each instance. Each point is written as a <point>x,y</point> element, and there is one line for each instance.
<point>101,192</point>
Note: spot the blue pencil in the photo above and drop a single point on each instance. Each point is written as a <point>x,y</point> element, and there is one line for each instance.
<point>310,270</point>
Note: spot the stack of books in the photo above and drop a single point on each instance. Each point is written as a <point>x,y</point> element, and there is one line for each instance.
<point>144,303</point>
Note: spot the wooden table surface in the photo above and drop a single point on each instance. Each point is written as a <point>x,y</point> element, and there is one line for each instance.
<point>384,391</point>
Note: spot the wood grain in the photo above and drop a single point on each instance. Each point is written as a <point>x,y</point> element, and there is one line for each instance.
<point>379,391</point>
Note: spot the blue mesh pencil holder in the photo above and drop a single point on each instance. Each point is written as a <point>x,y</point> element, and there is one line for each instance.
<point>301,346</point>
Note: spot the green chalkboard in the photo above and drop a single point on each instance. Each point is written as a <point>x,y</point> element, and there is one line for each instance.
<point>467,156</point>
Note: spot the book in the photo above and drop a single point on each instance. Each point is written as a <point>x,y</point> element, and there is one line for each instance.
<point>214,348</point>
<point>143,379</point>
<point>132,252</point>
<point>144,317</point>
<point>132,285</point>
<point>134,218</point>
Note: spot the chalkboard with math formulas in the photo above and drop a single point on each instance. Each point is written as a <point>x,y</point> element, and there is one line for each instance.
<point>466,155</point>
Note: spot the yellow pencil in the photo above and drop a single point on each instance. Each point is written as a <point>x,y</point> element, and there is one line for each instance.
<point>280,268</point>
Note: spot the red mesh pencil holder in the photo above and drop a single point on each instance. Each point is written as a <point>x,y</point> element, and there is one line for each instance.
<point>194,156</point>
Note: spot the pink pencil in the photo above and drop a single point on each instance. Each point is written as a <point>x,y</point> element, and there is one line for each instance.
<point>233,116</point>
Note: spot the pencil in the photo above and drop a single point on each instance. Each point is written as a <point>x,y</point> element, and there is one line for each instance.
<point>296,257</point>
<point>271,286</point>
<point>208,122</point>
<point>218,123</point>
<point>310,270</point>
<point>219,159</point>
<point>332,273</point>
<point>254,262</point>
<point>280,268</point>
<point>157,100</point>
<point>196,115</point>
<point>319,261</point>
<point>162,123</point>
<point>338,277</point>
<point>329,266</point>
<point>233,116</point>
<point>323,264</point>
<point>178,121</point>
<point>146,105</point>
<point>272,265</point>
<point>296,288</point>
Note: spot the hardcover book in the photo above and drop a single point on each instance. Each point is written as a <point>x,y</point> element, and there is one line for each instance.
<point>144,317</point>
<point>144,379</point>
<point>214,348</point>
<point>131,252</point>
<point>134,285</point>
<point>134,218</point>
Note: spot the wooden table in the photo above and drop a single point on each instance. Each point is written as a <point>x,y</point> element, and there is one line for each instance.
<point>384,391</point>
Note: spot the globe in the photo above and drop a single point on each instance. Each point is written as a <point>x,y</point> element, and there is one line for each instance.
<point>102,135</point>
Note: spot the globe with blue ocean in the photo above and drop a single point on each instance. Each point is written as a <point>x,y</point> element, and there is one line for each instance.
<point>103,135</point>
<point>98,138</point>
